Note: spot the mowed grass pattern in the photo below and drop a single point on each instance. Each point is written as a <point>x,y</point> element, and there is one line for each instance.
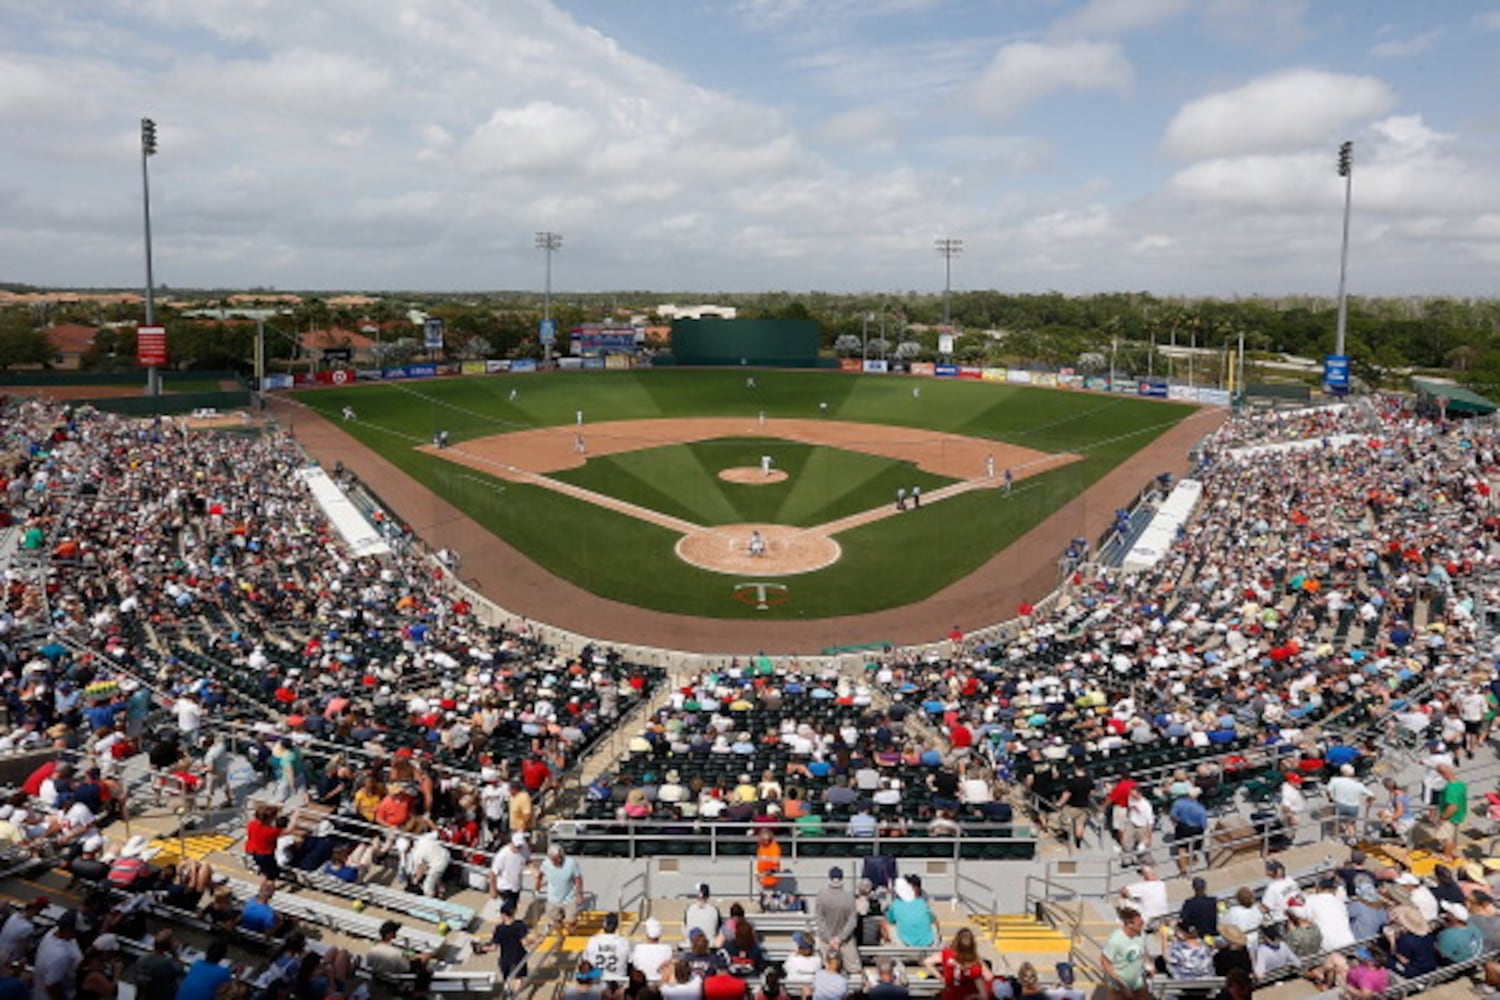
<point>822,484</point>
<point>889,563</point>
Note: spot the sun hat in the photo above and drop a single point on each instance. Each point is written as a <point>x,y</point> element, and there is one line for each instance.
<point>653,928</point>
<point>1411,919</point>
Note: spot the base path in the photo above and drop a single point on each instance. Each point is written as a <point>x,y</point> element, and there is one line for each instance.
<point>1026,571</point>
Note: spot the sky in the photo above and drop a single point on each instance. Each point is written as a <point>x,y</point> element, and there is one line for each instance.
<point>1180,147</point>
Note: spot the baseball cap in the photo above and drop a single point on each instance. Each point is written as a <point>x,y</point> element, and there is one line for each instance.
<point>703,892</point>
<point>518,839</point>
<point>611,922</point>
<point>106,942</point>
<point>587,973</point>
<point>1457,911</point>
<point>835,874</point>
<point>801,941</point>
<point>653,928</point>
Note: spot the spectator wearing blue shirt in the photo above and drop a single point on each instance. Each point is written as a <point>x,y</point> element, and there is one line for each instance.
<point>862,823</point>
<point>207,974</point>
<point>258,916</point>
<point>1190,821</point>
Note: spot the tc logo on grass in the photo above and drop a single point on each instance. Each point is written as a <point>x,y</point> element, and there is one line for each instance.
<point>764,596</point>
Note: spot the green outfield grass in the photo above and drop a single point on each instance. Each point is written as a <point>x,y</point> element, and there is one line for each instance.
<point>889,563</point>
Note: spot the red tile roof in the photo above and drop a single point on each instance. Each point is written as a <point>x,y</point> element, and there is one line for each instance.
<point>72,338</point>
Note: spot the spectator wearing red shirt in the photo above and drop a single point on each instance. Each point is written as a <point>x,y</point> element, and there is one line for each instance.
<point>723,986</point>
<point>535,774</point>
<point>961,741</point>
<point>1117,802</point>
<point>260,840</point>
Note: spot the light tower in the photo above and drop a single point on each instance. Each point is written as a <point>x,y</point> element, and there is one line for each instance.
<point>947,248</point>
<point>1346,171</point>
<point>549,243</point>
<point>148,150</point>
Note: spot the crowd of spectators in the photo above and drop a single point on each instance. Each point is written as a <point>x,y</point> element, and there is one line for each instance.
<point>181,595</point>
<point>157,570</point>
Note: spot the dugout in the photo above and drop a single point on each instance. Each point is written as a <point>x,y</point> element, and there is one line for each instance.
<point>768,343</point>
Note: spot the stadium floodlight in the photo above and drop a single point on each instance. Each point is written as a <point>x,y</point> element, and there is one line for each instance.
<point>948,248</point>
<point>549,243</point>
<point>148,150</point>
<point>1346,171</point>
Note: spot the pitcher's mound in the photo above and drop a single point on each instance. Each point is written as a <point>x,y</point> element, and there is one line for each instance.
<point>749,475</point>
<point>788,551</point>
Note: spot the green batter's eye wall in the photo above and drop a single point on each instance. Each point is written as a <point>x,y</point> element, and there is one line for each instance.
<point>775,343</point>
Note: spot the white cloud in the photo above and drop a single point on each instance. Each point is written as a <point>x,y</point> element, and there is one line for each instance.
<point>872,127</point>
<point>1281,111</point>
<point>771,14</point>
<point>1405,48</point>
<point>1109,18</point>
<point>1025,72</point>
<point>1273,24</point>
<point>1488,20</point>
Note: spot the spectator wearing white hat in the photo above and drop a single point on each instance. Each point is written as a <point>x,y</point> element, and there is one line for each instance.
<point>507,870</point>
<point>648,956</point>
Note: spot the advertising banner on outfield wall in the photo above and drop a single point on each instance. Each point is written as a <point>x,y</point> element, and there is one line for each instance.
<point>1018,376</point>
<point>994,374</point>
<point>618,362</point>
<point>593,363</point>
<point>923,368</point>
<point>1214,397</point>
<point>1156,390</point>
<point>523,365</point>
<point>1182,393</point>
<point>334,376</point>
<point>369,374</point>
<point>945,371</point>
<point>472,368</point>
<point>491,367</point>
<point>971,372</point>
<point>876,366</point>
<point>1070,380</point>
<point>1044,378</point>
<point>1097,383</point>
<point>275,382</point>
<point>850,364</point>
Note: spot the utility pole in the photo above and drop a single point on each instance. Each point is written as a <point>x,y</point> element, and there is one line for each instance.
<point>947,248</point>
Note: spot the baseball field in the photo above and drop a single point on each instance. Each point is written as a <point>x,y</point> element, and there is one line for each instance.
<point>776,495</point>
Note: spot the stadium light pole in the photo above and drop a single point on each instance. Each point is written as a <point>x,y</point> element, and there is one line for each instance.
<point>947,248</point>
<point>1346,171</point>
<point>549,243</point>
<point>148,150</point>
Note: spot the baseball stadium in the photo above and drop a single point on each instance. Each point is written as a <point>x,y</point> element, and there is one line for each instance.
<point>737,676</point>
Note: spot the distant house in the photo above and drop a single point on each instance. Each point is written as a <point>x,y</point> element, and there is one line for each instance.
<point>313,343</point>
<point>71,341</point>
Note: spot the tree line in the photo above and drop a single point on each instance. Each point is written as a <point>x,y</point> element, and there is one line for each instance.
<point>1385,336</point>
